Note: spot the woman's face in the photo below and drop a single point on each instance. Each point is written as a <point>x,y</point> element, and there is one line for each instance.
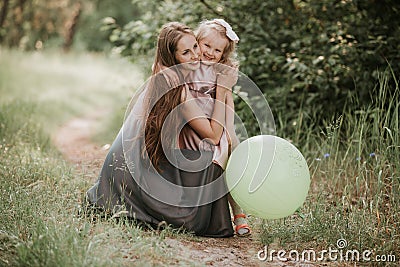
<point>212,46</point>
<point>188,52</point>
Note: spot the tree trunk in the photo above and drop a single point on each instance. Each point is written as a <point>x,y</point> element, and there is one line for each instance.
<point>18,17</point>
<point>4,12</point>
<point>70,27</point>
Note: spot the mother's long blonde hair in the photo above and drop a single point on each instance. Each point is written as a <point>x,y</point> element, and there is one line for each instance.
<point>161,98</point>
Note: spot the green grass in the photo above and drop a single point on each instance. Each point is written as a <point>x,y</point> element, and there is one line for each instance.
<point>39,192</point>
<point>354,194</point>
<point>62,86</point>
<point>355,180</point>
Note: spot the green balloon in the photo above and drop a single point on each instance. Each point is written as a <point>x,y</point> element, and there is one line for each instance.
<point>268,177</point>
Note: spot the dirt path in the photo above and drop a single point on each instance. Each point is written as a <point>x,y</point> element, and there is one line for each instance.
<point>73,139</point>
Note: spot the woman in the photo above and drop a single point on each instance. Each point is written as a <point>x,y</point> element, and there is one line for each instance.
<point>145,174</point>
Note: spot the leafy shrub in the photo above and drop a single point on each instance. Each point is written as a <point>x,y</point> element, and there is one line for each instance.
<point>313,56</point>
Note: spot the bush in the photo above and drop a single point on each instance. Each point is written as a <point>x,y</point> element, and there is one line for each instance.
<point>313,56</point>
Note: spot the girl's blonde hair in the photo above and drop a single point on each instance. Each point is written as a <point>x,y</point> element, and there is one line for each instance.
<point>229,53</point>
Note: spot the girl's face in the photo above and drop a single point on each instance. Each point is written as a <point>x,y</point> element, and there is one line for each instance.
<point>188,52</point>
<point>212,46</point>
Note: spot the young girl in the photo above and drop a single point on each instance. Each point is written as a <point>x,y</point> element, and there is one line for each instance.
<point>217,43</point>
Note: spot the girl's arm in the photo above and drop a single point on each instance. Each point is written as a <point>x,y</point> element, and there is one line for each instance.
<point>230,124</point>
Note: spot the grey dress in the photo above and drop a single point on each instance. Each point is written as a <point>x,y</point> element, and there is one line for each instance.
<point>188,190</point>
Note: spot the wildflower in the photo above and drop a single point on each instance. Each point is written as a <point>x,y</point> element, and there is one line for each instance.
<point>358,158</point>
<point>327,155</point>
<point>372,154</point>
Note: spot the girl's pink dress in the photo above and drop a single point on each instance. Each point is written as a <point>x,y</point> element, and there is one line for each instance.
<point>202,84</point>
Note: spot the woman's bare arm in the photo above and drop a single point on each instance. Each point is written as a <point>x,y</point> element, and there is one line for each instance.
<point>207,128</point>
<point>210,129</point>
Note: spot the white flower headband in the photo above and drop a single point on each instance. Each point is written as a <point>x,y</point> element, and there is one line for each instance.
<point>229,32</point>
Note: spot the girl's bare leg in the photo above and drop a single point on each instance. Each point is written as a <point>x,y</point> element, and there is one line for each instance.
<point>242,227</point>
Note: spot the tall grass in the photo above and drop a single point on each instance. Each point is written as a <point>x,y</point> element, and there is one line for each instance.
<point>355,181</point>
<point>354,162</point>
<point>32,178</point>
